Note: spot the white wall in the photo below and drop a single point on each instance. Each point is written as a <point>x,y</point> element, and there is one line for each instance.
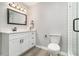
<point>52,19</point>
<point>3,19</point>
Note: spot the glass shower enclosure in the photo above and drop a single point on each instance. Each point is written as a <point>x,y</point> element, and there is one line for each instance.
<point>73,28</point>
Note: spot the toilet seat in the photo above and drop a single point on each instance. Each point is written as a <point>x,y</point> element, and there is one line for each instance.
<point>54,47</point>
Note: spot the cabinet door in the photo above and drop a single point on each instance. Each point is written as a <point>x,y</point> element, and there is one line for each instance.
<point>14,47</point>
<point>24,44</point>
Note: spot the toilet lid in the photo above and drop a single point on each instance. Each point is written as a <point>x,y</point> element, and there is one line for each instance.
<point>53,46</point>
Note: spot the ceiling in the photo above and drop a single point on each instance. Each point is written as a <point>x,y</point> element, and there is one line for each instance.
<point>30,3</point>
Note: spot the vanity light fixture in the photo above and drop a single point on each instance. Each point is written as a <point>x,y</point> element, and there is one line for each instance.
<point>12,4</point>
<point>16,6</point>
<point>21,9</point>
<point>24,10</point>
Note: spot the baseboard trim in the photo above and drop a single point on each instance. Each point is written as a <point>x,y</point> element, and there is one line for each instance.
<point>22,54</point>
<point>63,53</point>
<point>42,47</point>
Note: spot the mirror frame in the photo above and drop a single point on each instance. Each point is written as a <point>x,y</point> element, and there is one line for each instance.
<point>8,20</point>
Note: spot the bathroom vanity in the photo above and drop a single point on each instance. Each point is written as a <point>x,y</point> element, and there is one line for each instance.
<point>16,43</point>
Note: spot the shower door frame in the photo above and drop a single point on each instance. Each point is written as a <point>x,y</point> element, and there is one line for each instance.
<point>73,13</point>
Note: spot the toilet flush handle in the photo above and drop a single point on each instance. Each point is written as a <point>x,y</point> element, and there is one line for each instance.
<point>45,35</point>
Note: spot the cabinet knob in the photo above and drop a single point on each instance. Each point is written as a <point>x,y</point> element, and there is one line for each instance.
<point>32,33</point>
<point>32,37</point>
<point>32,43</point>
<point>22,40</point>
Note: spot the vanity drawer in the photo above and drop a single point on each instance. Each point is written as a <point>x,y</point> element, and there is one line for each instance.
<point>17,35</point>
<point>33,34</point>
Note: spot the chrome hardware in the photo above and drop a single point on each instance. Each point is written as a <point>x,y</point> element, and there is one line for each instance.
<point>32,37</point>
<point>22,40</point>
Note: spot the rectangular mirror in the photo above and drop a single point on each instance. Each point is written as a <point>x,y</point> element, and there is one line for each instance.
<point>14,17</point>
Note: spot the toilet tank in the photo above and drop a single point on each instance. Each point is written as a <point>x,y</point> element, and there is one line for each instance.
<point>54,38</point>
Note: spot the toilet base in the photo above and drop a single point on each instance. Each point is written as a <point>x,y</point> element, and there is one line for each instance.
<point>53,49</point>
<point>54,53</point>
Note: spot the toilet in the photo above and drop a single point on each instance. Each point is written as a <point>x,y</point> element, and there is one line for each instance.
<point>53,46</point>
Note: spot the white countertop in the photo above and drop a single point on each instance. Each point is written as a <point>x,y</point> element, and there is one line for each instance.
<point>12,32</point>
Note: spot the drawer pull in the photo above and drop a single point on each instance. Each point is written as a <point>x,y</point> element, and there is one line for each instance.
<point>32,33</point>
<point>20,41</point>
<point>32,43</point>
<point>32,37</point>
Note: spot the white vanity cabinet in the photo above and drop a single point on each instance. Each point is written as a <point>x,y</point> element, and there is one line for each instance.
<point>14,47</point>
<point>17,43</point>
<point>31,41</point>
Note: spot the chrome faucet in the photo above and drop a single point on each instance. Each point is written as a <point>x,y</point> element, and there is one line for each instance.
<point>14,29</point>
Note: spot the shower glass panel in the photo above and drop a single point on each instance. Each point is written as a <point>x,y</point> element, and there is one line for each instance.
<point>75,32</point>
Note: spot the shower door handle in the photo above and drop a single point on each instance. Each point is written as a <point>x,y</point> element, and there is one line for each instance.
<point>75,22</point>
